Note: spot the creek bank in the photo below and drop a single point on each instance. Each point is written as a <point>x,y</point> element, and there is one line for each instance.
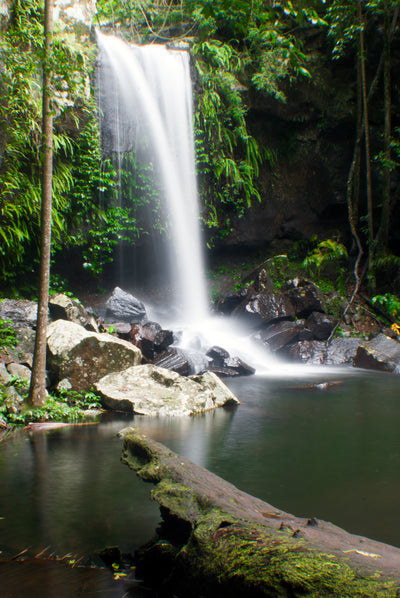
<point>216,540</point>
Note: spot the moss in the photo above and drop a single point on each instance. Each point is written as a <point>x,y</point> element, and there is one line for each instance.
<point>139,457</point>
<point>274,564</point>
<point>216,553</point>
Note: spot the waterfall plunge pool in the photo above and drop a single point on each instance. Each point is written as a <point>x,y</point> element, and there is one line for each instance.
<point>332,454</point>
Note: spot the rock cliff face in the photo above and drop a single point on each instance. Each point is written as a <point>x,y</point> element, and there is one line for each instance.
<point>312,137</point>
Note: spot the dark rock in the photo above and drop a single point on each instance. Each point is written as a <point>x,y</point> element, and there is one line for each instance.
<point>312,352</point>
<point>151,339</point>
<point>218,355</point>
<point>122,330</point>
<point>221,371</point>
<point>276,336</point>
<point>242,368</point>
<point>175,360</point>
<point>342,350</point>
<point>381,353</point>
<point>305,334</point>
<point>321,325</point>
<point>227,304</point>
<point>305,296</point>
<point>62,307</point>
<point>264,309</point>
<point>124,307</point>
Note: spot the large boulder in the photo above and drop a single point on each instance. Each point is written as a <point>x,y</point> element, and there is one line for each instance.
<point>342,350</point>
<point>304,295</point>
<point>320,325</point>
<point>278,335</point>
<point>62,307</point>
<point>381,353</point>
<point>124,307</point>
<point>78,358</point>
<point>151,390</point>
<point>312,352</point>
<point>151,339</point>
<point>265,308</point>
<point>174,359</point>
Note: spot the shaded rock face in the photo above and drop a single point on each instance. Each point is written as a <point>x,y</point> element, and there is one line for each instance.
<point>264,308</point>
<point>151,390</point>
<point>382,353</point>
<point>174,360</point>
<point>124,307</point>
<point>312,352</point>
<point>151,339</point>
<point>83,357</point>
<point>280,334</point>
<point>22,312</point>
<point>320,325</point>
<point>304,295</point>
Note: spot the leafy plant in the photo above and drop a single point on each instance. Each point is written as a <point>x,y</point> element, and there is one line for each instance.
<point>389,304</point>
<point>326,252</point>
<point>7,334</point>
<point>65,406</point>
<point>20,117</point>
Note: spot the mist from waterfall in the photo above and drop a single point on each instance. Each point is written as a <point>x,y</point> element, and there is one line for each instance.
<point>150,92</point>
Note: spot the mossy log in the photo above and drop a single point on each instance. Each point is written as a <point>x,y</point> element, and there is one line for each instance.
<point>218,541</point>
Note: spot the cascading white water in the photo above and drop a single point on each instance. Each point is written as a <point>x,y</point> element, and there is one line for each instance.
<point>153,85</point>
<point>149,89</point>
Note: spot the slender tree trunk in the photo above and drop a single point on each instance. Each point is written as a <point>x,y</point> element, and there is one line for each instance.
<point>367,140</point>
<point>37,391</point>
<point>356,185</point>
<point>385,215</point>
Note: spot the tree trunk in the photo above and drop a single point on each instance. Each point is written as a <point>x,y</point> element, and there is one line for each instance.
<point>367,139</point>
<point>37,391</point>
<point>385,215</point>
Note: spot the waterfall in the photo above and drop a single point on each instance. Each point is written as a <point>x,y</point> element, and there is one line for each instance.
<point>149,88</point>
<point>145,100</point>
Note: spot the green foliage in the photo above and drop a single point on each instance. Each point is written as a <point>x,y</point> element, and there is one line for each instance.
<point>228,156</point>
<point>326,252</point>
<point>66,406</point>
<point>344,25</point>
<point>20,117</point>
<point>389,304</point>
<point>7,334</point>
<point>242,47</point>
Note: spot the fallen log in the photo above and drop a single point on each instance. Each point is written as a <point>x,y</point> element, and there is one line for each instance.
<point>218,541</point>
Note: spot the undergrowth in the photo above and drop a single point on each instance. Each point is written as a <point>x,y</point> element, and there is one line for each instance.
<point>65,406</point>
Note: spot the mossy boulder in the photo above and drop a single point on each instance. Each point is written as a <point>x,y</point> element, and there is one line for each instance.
<point>78,358</point>
<point>152,390</point>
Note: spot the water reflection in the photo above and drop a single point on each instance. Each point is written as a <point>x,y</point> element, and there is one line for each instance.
<point>332,454</point>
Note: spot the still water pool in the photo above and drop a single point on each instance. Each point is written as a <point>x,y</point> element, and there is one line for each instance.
<point>333,454</point>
